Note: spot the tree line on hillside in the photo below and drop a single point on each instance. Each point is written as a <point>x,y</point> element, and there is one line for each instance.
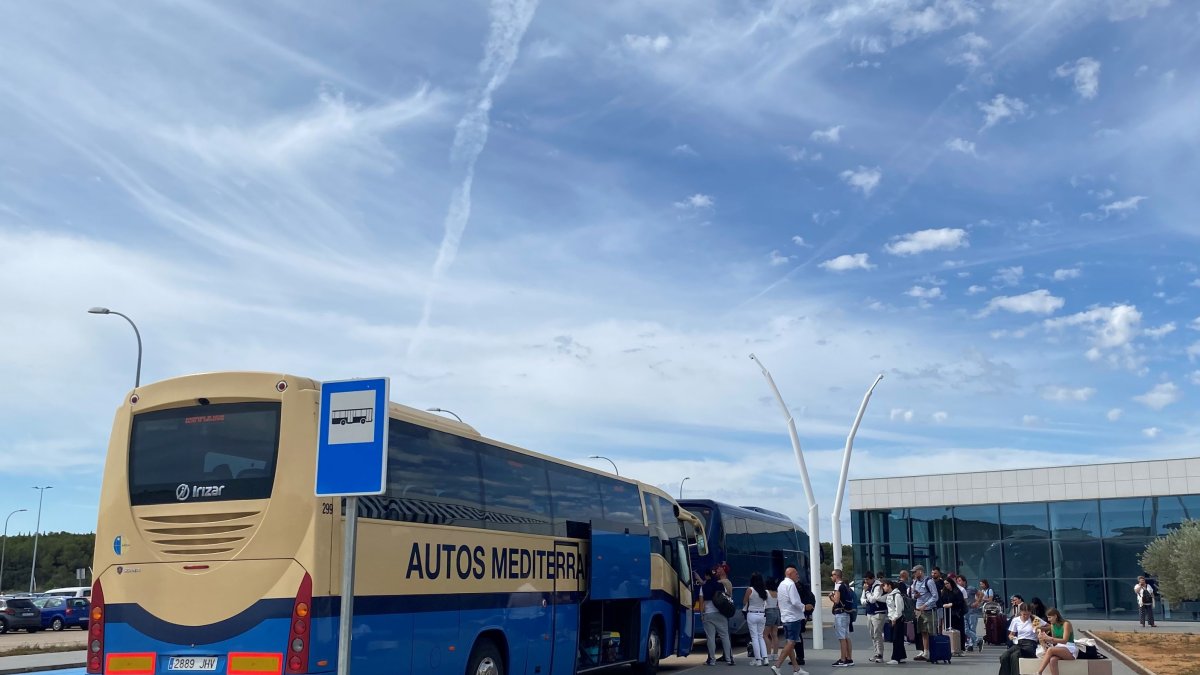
<point>59,554</point>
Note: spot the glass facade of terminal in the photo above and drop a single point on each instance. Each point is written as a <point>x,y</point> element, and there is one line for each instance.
<point>1080,556</point>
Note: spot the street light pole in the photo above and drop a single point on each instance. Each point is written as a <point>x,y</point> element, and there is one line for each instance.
<point>836,516</point>
<point>448,412</point>
<point>137,382</point>
<point>36,531</point>
<point>814,521</point>
<point>607,460</point>
<point>4,547</point>
<point>685,479</point>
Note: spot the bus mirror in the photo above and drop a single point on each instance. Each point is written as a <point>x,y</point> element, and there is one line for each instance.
<point>701,545</point>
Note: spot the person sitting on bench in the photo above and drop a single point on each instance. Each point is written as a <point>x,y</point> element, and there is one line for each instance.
<point>1058,640</point>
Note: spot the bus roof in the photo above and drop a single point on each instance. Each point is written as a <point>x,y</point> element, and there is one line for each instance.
<point>754,512</point>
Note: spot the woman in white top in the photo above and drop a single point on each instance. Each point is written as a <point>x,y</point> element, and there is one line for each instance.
<point>894,600</point>
<point>754,604</point>
<point>774,621</point>
<point>1023,633</point>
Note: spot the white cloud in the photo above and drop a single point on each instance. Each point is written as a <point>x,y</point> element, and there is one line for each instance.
<point>1151,432</point>
<point>961,145</point>
<point>647,44</point>
<point>1161,331</point>
<point>1195,324</point>
<point>1033,302</point>
<point>1193,351</point>
<point>924,293</point>
<point>1120,10</point>
<point>684,150</point>
<point>1195,283</point>
<point>1161,396</point>
<point>1000,108</point>
<point>940,416</point>
<point>865,179</point>
<point>1064,274</point>
<point>696,201</point>
<point>1086,72</point>
<point>969,48</point>
<point>830,135</point>
<point>1123,206</point>
<point>1111,327</point>
<point>775,259</point>
<point>943,239</point>
<point>842,263</point>
<point>1009,276</point>
<point>1054,393</point>
<point>1195,377</point>
<point>1114,414</point>
<point>793,153</point>
<point>975,289</point>
<point>901,414</point>
<point>799,241</point>
<point>1031,421</point>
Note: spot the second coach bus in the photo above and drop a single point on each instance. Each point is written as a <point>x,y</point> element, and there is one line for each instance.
<point>213,555</point>
<point>749,539</point>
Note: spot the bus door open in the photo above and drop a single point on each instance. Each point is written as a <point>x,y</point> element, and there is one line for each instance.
<point>564,609</point>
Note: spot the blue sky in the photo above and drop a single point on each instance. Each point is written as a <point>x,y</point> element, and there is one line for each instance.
<point>571,223</point>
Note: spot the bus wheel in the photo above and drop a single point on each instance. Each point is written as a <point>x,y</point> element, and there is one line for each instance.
<point>654,649</point>
<point>485,660</point>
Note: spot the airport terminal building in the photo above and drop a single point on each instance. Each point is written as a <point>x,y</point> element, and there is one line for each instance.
<point>1070,535</point>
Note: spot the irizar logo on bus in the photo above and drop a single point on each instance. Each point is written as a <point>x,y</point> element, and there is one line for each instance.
<point>185,491</point>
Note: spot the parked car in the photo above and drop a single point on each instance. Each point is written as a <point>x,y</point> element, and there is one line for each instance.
<point>59,613</point>
<point>70,591</point>
<point>16,613</point>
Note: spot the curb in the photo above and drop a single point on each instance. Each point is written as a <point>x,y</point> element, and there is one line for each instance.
<point>1120,655</point>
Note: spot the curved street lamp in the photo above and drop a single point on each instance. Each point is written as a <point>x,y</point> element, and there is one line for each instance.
<point>137,381</point>
<point>4,546</point>
<point>441,410</point>
<point>607,460</point>
<point>685,479</point>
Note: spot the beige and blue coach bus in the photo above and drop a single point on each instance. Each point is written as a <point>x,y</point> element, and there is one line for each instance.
<point>213,555</point>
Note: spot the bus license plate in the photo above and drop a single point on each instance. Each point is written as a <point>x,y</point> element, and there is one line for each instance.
<point>192,663</point>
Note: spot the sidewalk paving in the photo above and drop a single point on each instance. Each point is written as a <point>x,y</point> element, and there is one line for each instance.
<point>820,662</point>
<point>32,663</point>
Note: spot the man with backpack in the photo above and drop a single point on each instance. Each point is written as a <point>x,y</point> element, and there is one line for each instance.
<point>1145,598</point>
<point>925,596</point>
<point>843,601</point>
<point>875,608</point>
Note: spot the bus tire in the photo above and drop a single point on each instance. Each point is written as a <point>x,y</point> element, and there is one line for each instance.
<point>654,651</point>
<point>486,659</point>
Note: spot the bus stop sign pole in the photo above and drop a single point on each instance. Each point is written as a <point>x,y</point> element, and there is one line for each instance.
<point>351,462</point>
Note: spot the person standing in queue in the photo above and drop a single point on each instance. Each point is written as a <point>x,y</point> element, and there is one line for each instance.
<point>895,614</point>
<point>839,597</point>
<point>715,623</point>
<point>791,612</point>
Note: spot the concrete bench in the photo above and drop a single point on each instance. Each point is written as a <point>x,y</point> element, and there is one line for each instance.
<point>1076,667</point>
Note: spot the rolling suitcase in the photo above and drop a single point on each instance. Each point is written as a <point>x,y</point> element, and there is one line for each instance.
<point>939,648</point>
<point>995,629</point>
<point>955,635</point>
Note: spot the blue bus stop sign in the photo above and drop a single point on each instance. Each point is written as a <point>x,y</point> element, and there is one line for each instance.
<point>352,438</point>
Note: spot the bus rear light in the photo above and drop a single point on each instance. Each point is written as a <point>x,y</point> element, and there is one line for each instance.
<point>281,386</point>
<point>298,635</point>
<point>95,664</point>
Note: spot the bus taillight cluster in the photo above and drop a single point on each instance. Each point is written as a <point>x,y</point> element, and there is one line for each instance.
<point>96,631</point>
<point>298,638</point>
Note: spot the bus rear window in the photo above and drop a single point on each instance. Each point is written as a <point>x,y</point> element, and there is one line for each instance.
<point>204,453</point>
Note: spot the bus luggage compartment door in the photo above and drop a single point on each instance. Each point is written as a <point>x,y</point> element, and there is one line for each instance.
<point>620,563</point>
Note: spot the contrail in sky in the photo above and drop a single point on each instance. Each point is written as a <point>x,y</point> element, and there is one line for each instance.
<point>510,18</point>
